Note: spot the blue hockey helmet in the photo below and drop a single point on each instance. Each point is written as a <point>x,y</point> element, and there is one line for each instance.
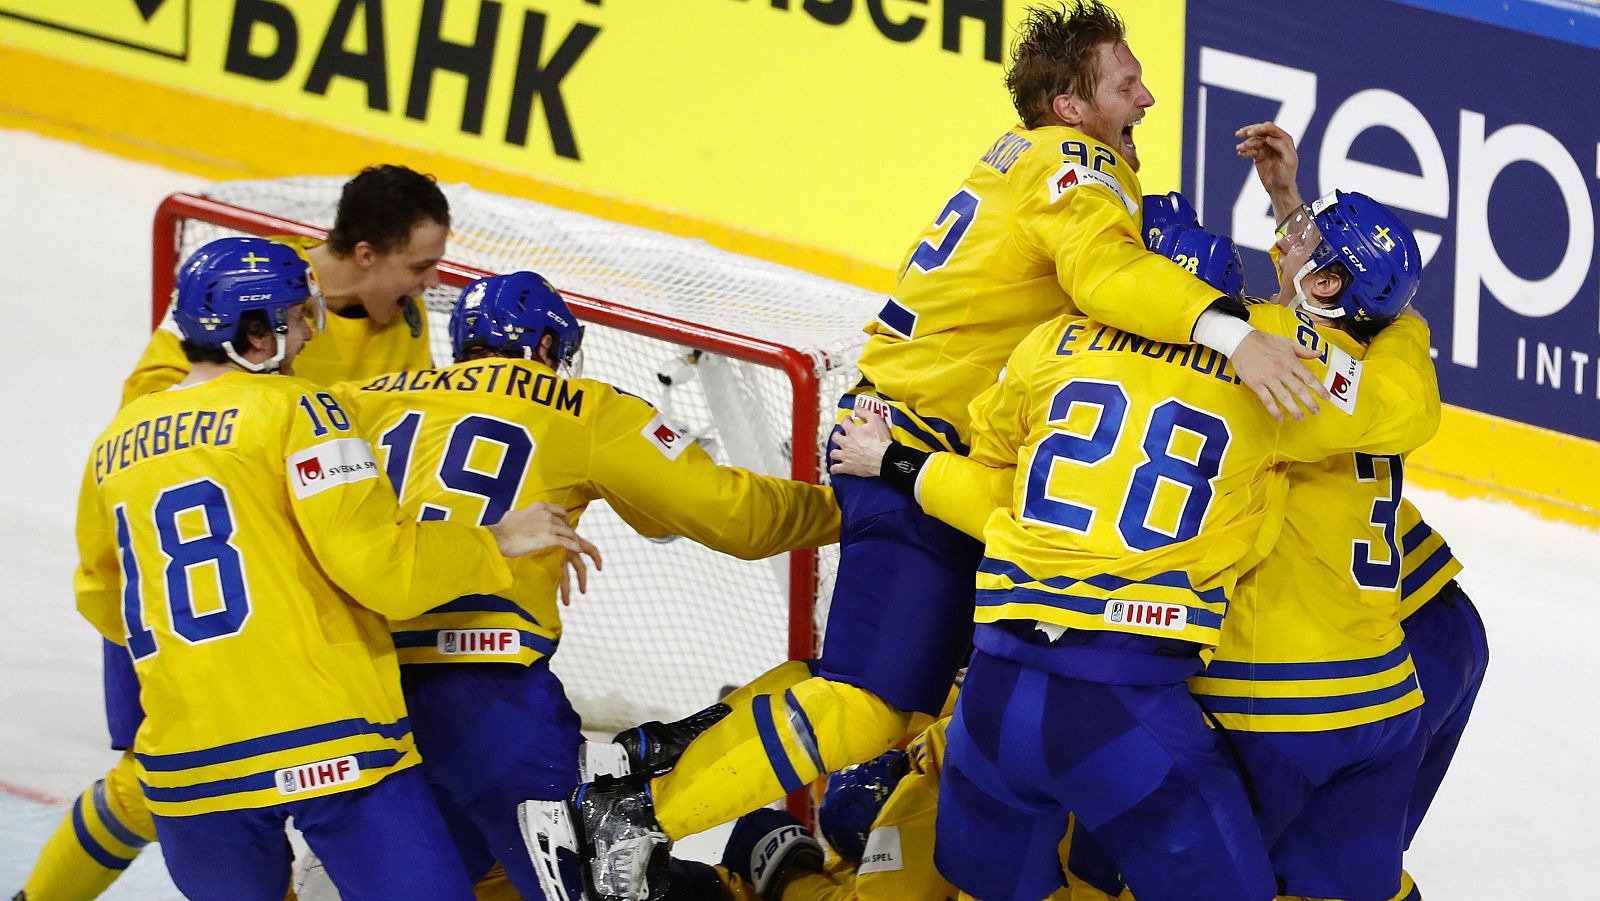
<point>229,277</point>
<point>855,796</point>
<point>1377,250</point>
<point>1162,211</point>
<point>515,310</point>
<point>1211,258</point>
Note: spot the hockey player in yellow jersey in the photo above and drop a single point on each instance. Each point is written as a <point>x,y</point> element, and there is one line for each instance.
<point>1047,221</point>
<point>235,536</point>
<point>1362,563</point>
<point>388,236</point>
<point>1108,574</point>
<point>389,233</point>
<point>507,424</point>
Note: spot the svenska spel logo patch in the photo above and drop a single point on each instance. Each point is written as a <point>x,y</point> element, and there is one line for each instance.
<point>668,438</point>
<point>338,461</point>
<point>1343,379</point>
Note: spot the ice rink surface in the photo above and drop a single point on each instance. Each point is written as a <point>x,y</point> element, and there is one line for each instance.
<point>1517,817</point>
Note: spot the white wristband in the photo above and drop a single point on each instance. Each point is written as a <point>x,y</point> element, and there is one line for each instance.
<point>1221,332</point>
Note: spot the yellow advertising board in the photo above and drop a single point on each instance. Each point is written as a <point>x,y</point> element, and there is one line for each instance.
<point>835,125</point>
<point>822,134</point>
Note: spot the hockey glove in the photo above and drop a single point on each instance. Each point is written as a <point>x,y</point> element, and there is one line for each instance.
<point>768,846</point>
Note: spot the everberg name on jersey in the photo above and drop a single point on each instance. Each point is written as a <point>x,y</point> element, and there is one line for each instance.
<point>162,435</point>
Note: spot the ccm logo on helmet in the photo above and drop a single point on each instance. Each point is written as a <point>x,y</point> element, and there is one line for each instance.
<point>253,298</point>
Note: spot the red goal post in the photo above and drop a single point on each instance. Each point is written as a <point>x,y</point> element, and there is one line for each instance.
<point>797,366</point>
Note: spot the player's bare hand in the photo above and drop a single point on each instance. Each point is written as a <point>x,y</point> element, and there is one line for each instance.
<point>858,446</point>
<point>572,567</point>
<point>1276,160</point>
<point>538,527</point>
<point>1270,366</point>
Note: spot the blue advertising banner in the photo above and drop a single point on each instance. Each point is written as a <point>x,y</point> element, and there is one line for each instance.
<point>1485,140</point>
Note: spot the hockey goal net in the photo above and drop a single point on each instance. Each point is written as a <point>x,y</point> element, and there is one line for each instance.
<point>750,356</point>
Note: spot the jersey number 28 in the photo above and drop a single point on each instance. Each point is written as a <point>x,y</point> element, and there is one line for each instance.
<point>1109,403</point>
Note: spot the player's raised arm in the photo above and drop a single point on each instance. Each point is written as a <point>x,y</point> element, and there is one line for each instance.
<point>662,483</point>
<point>1277,163</point>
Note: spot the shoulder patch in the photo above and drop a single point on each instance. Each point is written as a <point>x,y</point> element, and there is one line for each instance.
<point>668,438</point>
<point>338,461</point>
<point>1072,175</point>
<point>882,854</point>
<point>1343,380</point>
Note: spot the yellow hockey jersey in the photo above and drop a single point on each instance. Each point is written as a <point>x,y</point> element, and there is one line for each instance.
<point>348,348</point>
<point>1312,641</point>
<point>238,538</point>
<point>1146,477</point>
<point>469,441</point>
<point>1047,223</point>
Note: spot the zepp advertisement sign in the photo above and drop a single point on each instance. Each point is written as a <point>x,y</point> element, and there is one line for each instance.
<point>1485,141</point>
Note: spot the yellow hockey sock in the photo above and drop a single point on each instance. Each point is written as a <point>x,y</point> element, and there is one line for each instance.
<point>104,831</point>
<point>771,744</point>
<point>784,676</point>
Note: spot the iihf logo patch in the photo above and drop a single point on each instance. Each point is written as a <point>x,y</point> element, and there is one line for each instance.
<point>1172,617</point>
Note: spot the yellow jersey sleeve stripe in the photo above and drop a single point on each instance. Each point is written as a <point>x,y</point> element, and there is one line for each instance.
<point>1428,565</point>
<point>1256,706</point>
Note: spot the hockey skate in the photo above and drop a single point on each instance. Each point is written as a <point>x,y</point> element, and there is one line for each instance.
<point>649,749</point>
<point>608,829</point>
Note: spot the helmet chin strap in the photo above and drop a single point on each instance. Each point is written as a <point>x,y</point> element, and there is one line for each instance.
<point>270,364</point>
<point>1300,297</point>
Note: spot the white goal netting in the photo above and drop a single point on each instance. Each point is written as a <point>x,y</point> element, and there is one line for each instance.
<point>667,625</point>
